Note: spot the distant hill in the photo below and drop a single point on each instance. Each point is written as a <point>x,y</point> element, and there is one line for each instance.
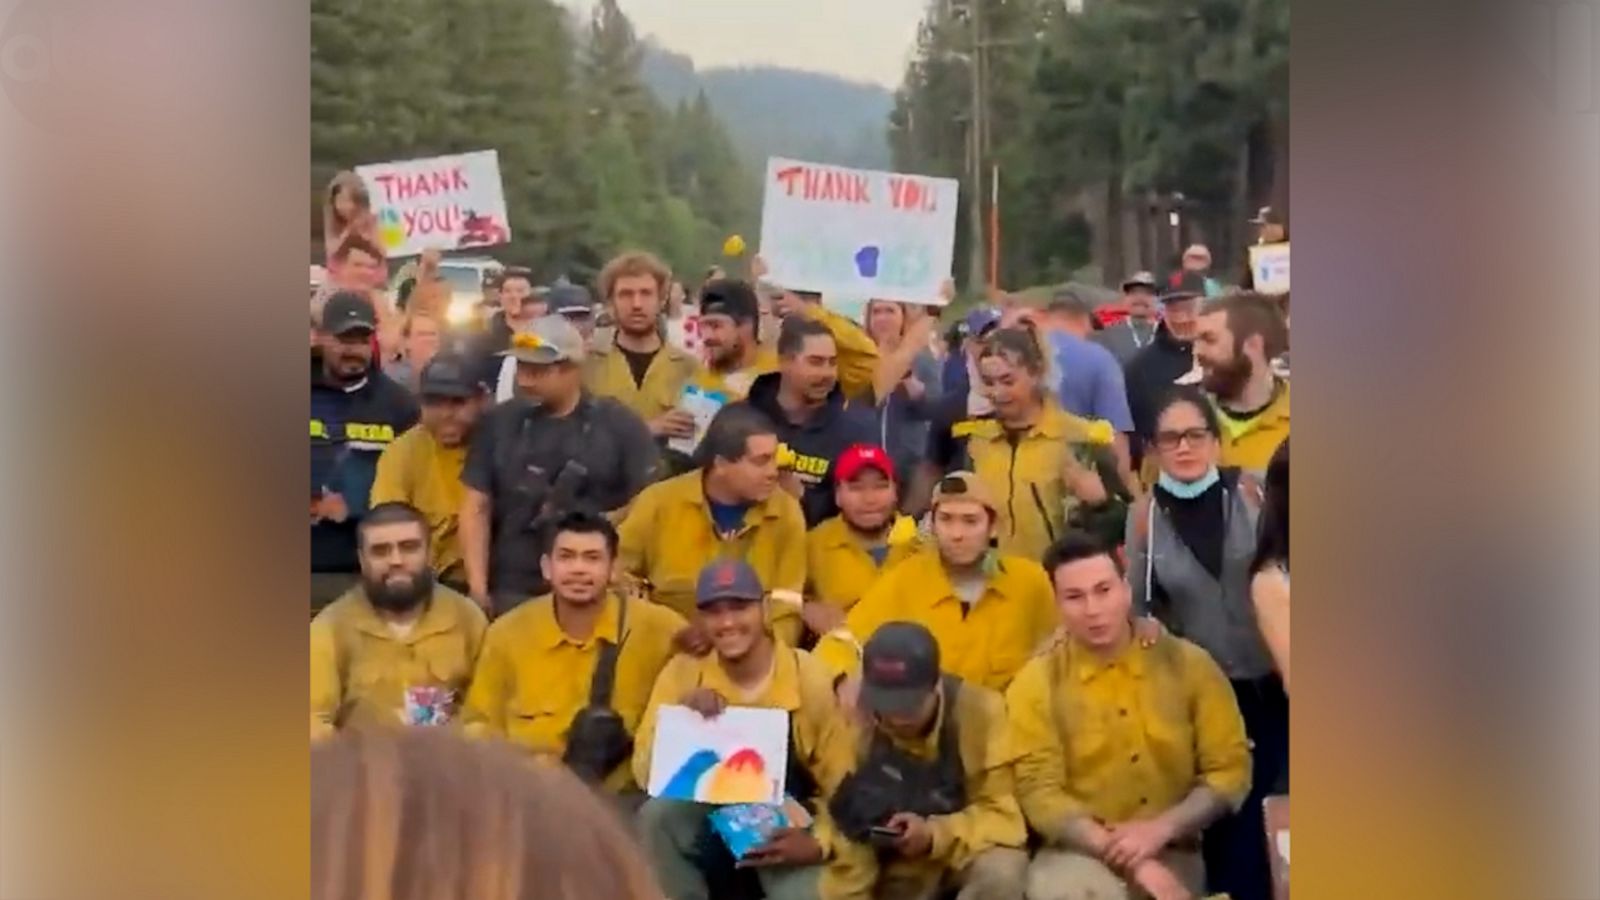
<point>772,111</point>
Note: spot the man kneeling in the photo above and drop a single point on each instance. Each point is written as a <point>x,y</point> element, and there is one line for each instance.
<point>930,805</point>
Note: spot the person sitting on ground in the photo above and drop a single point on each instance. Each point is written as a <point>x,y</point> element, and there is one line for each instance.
<point>397,649</point>
<point>747,667</point>
<point>567,677</point>
<point>930,805</point>
<point>1126,749</point>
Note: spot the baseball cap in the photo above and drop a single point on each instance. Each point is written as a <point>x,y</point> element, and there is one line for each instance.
<point>568,299</point>
<point>899,668</point>
<point>1140,279</point>
<point>980,320</point>
<point>550,339</point>
<point>347,311</point>
<point>446,376</point>
<point>863,456</point>
<point>730,297</point>
<point>1183,285</point>
<point>963,486</point>
<point>727,579</point>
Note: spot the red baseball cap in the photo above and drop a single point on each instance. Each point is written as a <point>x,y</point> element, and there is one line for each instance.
<point>863,456</point>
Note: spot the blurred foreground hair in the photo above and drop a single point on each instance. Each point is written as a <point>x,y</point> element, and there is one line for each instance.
<point>416,814</point>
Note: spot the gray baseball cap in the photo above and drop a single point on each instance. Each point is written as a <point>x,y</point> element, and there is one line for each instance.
<point>550,339</point>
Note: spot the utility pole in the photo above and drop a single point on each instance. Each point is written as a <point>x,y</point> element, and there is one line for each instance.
<point>976,270</point>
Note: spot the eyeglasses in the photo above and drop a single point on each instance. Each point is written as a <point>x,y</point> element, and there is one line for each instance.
<point>1169,440</point>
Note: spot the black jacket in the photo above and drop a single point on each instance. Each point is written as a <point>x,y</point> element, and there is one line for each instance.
<point>818,442</point>
<point>349,430</point>
<point>1150,376</point>
<point>518,456</point>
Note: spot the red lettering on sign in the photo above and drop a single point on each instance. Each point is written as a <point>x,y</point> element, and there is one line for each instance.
<point>442,219</point>
<point>458,178</point>
<point>910,194</point>
<point>388,187</point>
<point>858,194</point>
<point>789,177</point>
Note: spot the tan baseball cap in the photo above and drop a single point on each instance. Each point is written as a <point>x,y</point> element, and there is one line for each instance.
<point>550,339</point>
<point>963,486</point>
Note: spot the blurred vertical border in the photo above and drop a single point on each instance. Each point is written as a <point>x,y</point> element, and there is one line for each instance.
<point>157,155</point>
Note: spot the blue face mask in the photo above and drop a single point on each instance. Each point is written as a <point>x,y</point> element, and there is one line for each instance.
<point>1188,490</point>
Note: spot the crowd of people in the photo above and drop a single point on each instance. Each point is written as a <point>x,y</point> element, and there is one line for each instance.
<point>1021,587</point>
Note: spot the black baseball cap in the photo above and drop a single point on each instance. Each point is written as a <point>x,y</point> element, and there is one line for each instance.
<point>731,297</point>
<point>568,299</point>
<point>447,375</point>
<point>1183,285</point>
<point>899,669</point>
<point>347,311</point>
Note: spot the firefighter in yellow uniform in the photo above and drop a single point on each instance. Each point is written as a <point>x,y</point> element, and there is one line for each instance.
<point>846,555</point>
<point>989,611</point>
<point>930,805</point>
<point>567,677</point>
<point>397,649</point>
<point>729,507</point>
<point>747,668</point>
<point>423,466</point>
<point>1127,749</point>
<point>1041,461</point>
<point>637,365</point>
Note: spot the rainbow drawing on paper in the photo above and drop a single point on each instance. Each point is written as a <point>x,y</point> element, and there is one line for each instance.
<point>738,757</point>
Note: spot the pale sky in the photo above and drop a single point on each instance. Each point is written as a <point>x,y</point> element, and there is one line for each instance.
<point>863,40</point>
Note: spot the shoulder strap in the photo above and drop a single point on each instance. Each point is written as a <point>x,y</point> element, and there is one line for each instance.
<point>605,670</point>
<point>949,737</point>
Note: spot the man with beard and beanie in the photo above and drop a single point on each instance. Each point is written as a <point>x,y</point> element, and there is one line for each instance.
<point>846,554</point>
<point>356,413</point>
<point>398,649</point>
<point>554,448</point>
<point>988,610</point>
<point>1238,335</point>
<point>567,678</point>
<point>637,365</point>
<point>930,806</point>
<point>730,314</point>
<point>747,667</point>
<point>1169,356</point>
<point>815,421</point>
<point>423,466</point>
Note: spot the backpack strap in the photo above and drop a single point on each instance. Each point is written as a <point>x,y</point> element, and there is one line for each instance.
<point>605,671</point>
<point>950,765</point>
